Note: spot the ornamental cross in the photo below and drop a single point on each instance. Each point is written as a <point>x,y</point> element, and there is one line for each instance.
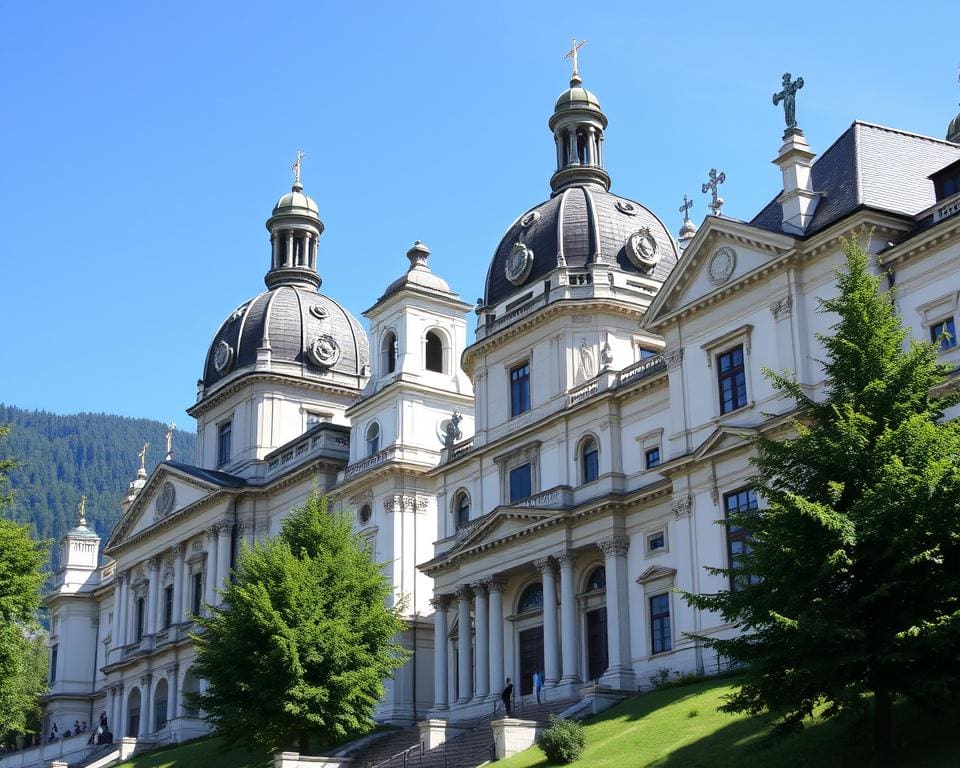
<point>572,54</point>
<point>296,166</point>
<point>716,179</point>
<point>143,457</point>
<point>789,98</point>
<point>685,208</point>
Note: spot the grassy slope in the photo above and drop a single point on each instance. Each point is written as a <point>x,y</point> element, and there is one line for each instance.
<point>203,753</point>
<point>682,727</point>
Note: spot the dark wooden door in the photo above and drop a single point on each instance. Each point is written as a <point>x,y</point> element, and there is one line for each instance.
<point>531,657</point>
<point>596,643</point>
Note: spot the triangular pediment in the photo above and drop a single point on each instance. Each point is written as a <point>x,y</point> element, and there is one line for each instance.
<point>502,523</point>
<point>723,439</point>
<point>168,490</point>
<point>656,572</point>
<point>724,253</point>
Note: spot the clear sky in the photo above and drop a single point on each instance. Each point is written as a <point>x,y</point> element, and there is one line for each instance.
<point>144,145</point>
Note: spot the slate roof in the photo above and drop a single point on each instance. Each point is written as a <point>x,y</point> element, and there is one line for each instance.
<point>581,221</point>
<point>874,167</point>
<point>222,479</point>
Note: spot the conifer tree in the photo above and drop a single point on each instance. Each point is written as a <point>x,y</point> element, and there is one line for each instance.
<point>852,582</point>
<point>303,639</point>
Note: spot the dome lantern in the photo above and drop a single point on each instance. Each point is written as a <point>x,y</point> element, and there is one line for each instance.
<point>295,230</point>
<point>577,124</point>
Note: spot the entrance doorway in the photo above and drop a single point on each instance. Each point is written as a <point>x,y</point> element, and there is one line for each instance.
<point>531,657</point>
<point>133,713</point>
<point>596,642</point>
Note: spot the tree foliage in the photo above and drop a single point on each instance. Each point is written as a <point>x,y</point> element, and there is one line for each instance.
<point>22,678</point>
<point>58,458</point>
<point>303,639</point>
<point>855,563</point>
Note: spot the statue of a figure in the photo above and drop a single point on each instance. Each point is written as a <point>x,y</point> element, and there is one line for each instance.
<point>82,517</point>
<point>170,427</point>
<point>789,98</point>
<point>586,369</point>
<point>453,430</point>
<point>606,355</point>
<point>143,457</point>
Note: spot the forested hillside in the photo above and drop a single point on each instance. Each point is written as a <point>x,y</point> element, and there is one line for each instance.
<point>64,457</point>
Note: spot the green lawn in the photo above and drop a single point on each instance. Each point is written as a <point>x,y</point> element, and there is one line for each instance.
<point>681,727</point>
<point>202,753</point>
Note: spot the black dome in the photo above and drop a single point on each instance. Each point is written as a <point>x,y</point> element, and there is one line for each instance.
<point>578,224</point>
<point>308,334</point>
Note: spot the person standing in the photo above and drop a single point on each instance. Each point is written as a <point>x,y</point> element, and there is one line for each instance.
<point>507,697</point>
<point>537,683</point>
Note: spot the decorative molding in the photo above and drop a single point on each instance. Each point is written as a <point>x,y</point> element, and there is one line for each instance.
<point>399,502</point>
<point>440,602</point>
<point>543,564</point>
<point>178,550</point>
<point>463,593</point>
<point>153,563</point>
<point>496,584</point>
<point>479,588</point>
<point>565,559</point>
<point>722,265</point>
<point>782,308</point>
<point>682,507</point>
<point>614,547</point>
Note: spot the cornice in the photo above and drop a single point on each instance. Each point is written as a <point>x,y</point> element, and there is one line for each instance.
<point>401,385</point>
<point>248,378</point>
<point>940,235</point>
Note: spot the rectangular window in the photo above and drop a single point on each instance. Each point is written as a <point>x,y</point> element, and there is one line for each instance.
<point>944,333</point>
<point>224,434</point>
<point>732,380</point>
<point>53,663</point>
<point>520,483</point>
<point>520,389</point>
<point>656,541</point>
<point>197,595</point>
<point>738,539</point>
<point>660,641</point>
<point>652,457</point>
<point>140,617</point>
<point>167,607</point>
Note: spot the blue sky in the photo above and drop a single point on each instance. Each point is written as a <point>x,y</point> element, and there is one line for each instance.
<point>144,145</point>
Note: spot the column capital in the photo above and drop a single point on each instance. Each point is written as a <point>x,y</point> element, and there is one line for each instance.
<point>172,670</point>
<point>146,679</point>
<point>543,564</point>
<point>224,528</point>
<point>153,563</point>
<point>464,593</point>
<point>121,578</point>
<point>440,602</point>
<point>178,550</point>
<point>496,584</point>
<point>616,546</point>
<point>566,558</point>
<point>479,588</point>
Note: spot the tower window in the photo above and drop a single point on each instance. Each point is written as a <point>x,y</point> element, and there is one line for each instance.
<point>167,607</point>
<point>197,596</point>
<point>944,334</point>
<point>140,618</point>
<point>373,439</point>
<point>590,460</point>
<point>365,514</point>
<point>732,380</point>
<point>434,352</point>
<point>521,482</point>
<point>461,509</point>
<point>388,353</point>
<point>224,436</point>
<point>520,389</point>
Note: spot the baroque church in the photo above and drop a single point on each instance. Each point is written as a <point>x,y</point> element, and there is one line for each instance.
<point>537,493</point>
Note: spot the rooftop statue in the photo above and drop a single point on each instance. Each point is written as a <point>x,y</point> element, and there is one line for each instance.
<point>789,98</point>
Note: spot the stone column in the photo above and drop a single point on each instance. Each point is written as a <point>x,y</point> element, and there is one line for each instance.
<point>465,667</point>
<point>153,574</point>
<point>558,140</point>
<point>568,618</point>
<point>158,608</point>
<point>572,157</point>
<point>441,698</point>
<point>482,640</point>
<point>146,705</point>
<point>119,727</point>
<point>246,530</point>
<point>177,613</point>
<point>172,692</point>
<point>275,250</point>
<point>495,589</point>
<point>551,651</point>
<point>120,611</point>
<point>619,673</point>
<point>186,598</point>
<point>288,261</point>
<point>223,554</point>
<point>210,575</point>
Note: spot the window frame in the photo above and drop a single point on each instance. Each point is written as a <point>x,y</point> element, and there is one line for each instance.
<point>528,453</point>
<point>738,536</point>
<point>520,399</point>
<point>661,625</point>
<point>372,441</point>
<point>647,464</point>
<point>732,373</point>
<point>459,509</point>
<point>168,606</point>
<point>651,536</point>
<point>949,342</point>
<point>586,442</point>
<point>389,352</point>
<point>140,618</point>
<point>513,499</point>
<point>196,599</point>
<point>224,428</point>
<point>441,340</point>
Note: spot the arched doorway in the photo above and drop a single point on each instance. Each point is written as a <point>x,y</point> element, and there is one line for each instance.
<point>191,685</point>
<point>595,622</point>
<point>133,713</point>
<point>530,638</point>
<point>160,705</point>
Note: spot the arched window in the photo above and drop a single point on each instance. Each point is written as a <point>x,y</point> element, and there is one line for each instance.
<point>531,598</point>
<point>364,514</point>
<point>388,353</point>
<point>461,509</point>
<point>597,579</point>
<point>434,352</point>
<point>589,460</point>
<point>373,439</point>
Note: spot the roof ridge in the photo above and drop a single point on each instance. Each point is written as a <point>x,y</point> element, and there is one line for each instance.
<point>902,132</point>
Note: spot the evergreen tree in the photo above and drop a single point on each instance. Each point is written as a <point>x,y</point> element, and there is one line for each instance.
<point>303,639</point>
<point>852,581</point>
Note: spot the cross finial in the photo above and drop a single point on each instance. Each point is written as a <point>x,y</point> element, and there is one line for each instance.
<point>715,180</point>
<point>296,166</point>
<point>685,208</point>
<point>572,54</point>
<point>789,98</point>
<point>83,511</point>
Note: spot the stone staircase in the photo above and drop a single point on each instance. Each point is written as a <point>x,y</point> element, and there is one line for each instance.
<point>466,750</point>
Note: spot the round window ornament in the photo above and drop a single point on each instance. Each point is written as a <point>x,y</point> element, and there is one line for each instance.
<point>626,207</point>
<point>318,311</point>
<point>324,351</point>
<point>722,264</point>
<point>530,219</point>
<point>166,499</point>
<point>643,249</point>
<point>519,263</point>
<point>222,357</point>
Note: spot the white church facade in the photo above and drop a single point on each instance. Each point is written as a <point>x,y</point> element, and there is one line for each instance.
<point>538,494</point>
